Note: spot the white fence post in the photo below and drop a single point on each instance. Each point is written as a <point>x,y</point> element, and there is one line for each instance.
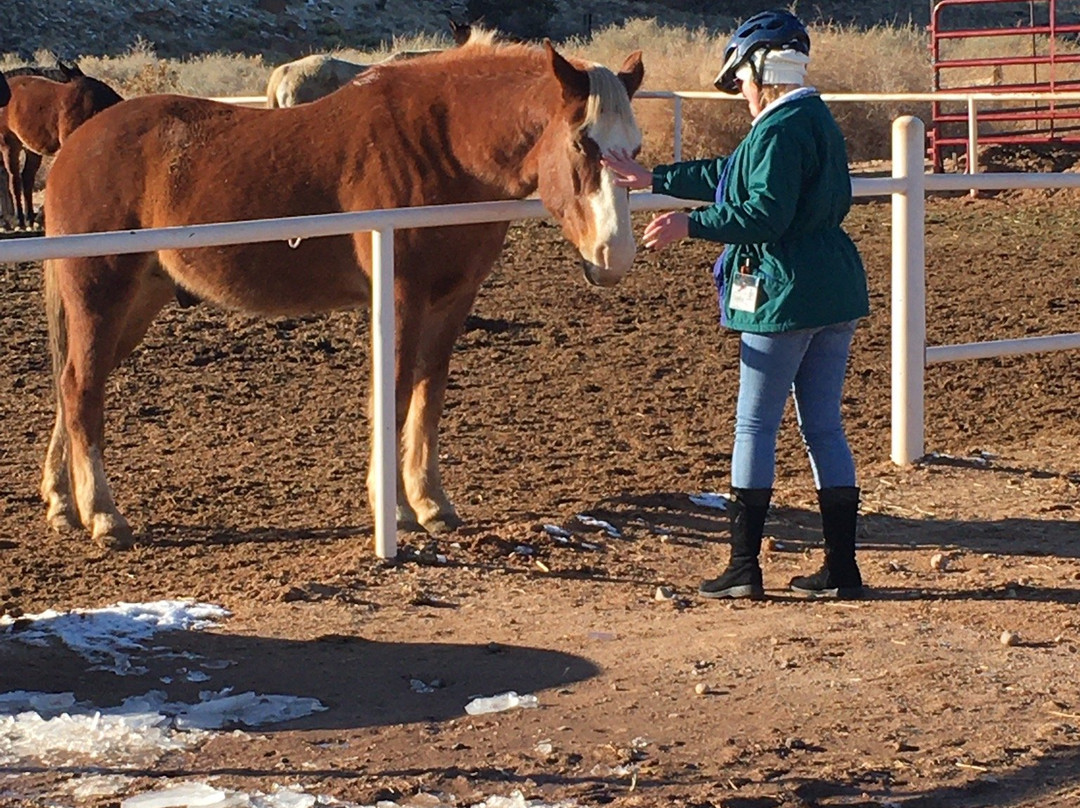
<point>908,289</point>
<point>384,428</point>
<point>678,129</point>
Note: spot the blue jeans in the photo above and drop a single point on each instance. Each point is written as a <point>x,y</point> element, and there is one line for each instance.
<point>811,363</point>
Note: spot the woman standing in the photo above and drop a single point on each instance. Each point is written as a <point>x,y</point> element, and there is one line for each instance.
<point>789,279</point>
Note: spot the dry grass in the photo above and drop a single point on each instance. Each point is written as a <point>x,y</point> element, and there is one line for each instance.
<point>846,59</point>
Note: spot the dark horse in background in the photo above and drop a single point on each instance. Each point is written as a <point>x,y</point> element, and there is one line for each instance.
<point>477,123</point>
<point>6,208</point>
<point>38,118</point>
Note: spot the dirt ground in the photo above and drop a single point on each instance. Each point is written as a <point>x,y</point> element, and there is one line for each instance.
<point>238,450</point>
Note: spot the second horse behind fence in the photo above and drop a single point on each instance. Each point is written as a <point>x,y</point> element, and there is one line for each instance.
<point>36,121</point>
<point>476,123</point>
<point>312,77</point>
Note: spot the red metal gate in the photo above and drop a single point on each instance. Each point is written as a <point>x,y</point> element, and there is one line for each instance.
<point>1050,62</point>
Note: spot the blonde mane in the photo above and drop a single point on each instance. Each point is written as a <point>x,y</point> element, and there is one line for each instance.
<point>481,37</point>
<point>607,97</point>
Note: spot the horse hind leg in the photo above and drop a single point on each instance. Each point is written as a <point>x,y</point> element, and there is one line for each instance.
<point>61,513</point>
<point>14,187</point>
<point>99,308</point>
<point>31,164</point>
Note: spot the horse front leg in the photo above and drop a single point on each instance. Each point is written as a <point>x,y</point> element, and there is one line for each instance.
<point>408,317</point>
<point>420,435</point>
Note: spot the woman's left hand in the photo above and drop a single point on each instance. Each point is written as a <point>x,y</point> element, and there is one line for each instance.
<point>627,172</point>
<point>666,229</point>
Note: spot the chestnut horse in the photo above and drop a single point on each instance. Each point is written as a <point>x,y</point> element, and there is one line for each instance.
<point>476,123</point>
<point>38,119</point>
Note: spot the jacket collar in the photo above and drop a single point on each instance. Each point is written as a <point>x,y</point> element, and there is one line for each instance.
<point>794,95</point>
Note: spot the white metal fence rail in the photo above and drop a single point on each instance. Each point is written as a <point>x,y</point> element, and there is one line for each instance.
<point>971,99</point>
<point>910,355</point>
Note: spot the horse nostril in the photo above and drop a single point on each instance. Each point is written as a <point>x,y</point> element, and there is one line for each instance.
<point>591,272</point>
<point>604,256</point>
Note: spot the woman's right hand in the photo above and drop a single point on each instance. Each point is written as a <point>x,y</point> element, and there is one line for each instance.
<point>628,172</point>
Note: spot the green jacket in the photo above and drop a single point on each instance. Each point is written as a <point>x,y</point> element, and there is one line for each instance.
<point>786,191</point>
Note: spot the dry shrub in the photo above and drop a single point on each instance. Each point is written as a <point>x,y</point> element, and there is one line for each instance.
<point>883,59</point>
<point>223,74</point>
<point>141,72</point>
<point>675,58</point>
<point>418,42</point>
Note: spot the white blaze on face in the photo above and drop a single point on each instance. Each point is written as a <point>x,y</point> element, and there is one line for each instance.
<point>611,125</point>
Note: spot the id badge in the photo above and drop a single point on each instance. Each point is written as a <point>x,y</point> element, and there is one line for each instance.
<point>745,292</point>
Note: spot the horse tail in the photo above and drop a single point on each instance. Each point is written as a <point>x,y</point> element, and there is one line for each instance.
<point>57,322</point>
<point>272,88</point>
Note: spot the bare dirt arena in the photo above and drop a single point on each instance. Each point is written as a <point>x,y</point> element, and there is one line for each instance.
<point>238,451</point>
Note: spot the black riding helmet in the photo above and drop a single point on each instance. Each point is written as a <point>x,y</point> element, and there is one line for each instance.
<point>766,31</point>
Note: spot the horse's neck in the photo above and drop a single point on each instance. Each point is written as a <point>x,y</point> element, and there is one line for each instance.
<point>495,126</point>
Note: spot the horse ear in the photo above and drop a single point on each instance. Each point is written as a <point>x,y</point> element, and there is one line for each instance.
<point>575,83</point>
<point>632,73</point>
<point>69,71</point>
<point>461,32</point>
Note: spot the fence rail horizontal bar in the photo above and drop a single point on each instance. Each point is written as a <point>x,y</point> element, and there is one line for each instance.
<point>1001,347</point>
<point>942,96</point>
<point>999,181</point>
<point>284,229</point>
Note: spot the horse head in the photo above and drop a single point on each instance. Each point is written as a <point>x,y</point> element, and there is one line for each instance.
<point>595,117</point>
<point>69,72</point>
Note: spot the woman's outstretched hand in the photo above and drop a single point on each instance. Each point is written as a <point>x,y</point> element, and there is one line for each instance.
<point>628,172</point>
<point>665,229</point>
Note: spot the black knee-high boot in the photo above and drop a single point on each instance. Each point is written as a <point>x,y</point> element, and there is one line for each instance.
<point>839,576</point>
<point>742,577</point>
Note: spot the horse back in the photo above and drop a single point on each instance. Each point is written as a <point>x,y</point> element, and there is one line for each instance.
<point>163,161</point>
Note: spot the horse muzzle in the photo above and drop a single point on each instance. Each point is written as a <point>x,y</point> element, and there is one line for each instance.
<point>600,276</point>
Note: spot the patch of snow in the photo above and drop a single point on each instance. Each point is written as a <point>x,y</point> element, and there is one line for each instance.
<point>592,521</point>
<point>710,499</point>
<point>108,637</point>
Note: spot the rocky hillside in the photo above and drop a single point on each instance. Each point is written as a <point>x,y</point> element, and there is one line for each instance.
<point>275,28</point>
<point>175,28</point>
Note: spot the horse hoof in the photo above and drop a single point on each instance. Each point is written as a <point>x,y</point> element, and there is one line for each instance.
<point>62,518</point>
<point>112,541</point>
<point>113,534</point>
<point>409,525</point>
<point>442,523</point>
